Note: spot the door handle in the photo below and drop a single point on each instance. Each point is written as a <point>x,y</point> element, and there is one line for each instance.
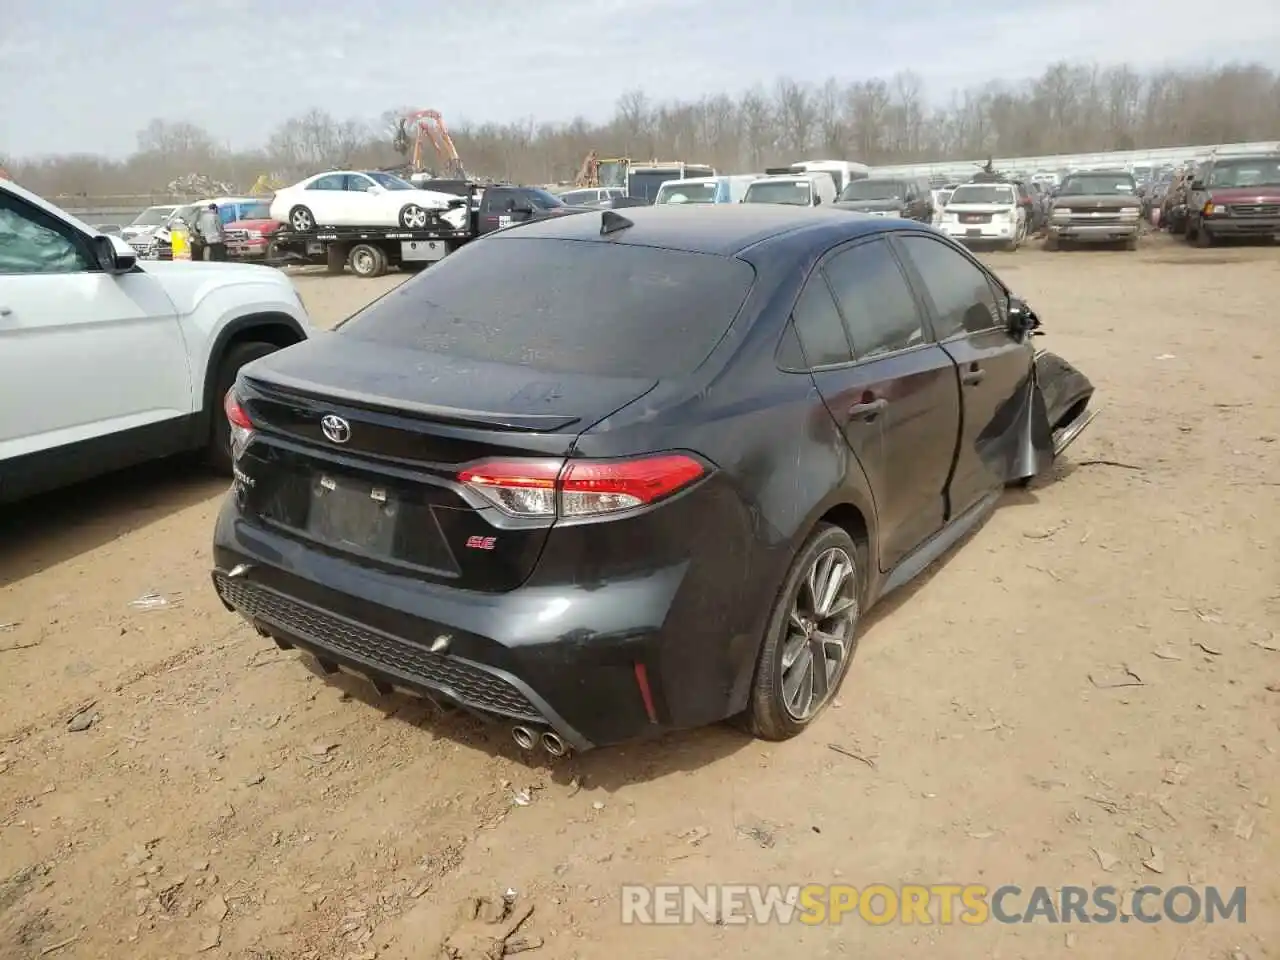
<point>972,376</point>
<point>868,410</point>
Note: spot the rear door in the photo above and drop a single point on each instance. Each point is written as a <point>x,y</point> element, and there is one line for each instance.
<point>328,200</point>
<point>969,311</point>
<point>890,387</point>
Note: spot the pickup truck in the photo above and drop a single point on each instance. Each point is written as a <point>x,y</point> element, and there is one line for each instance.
<point>106,361</point>
<point>1234,196</point>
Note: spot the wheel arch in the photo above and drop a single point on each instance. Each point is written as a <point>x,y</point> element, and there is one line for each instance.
<point>277,329</point>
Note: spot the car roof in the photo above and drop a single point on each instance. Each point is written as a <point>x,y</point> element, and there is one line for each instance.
<point>724,229</point>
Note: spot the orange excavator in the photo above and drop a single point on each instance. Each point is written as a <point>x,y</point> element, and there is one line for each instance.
<point>427,126</point>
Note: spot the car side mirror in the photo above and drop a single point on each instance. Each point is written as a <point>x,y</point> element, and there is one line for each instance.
<point>114,256</point>
<point>1197,184</point>
<point>1022,319</point>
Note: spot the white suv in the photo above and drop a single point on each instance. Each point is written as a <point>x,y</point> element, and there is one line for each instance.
<point>985,213</point>
<point>105,362</point>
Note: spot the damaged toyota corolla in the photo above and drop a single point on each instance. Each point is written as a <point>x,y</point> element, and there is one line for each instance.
<point>606,476</point>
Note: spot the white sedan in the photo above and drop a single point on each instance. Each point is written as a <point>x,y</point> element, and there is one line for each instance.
<point>347,198</point>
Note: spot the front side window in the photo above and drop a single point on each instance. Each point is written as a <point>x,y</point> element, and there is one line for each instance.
<point>875,299</point>
<point>33,242</point>
<point>962,294</point>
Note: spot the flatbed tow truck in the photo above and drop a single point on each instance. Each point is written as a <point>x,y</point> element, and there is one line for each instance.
<point>370,251</point>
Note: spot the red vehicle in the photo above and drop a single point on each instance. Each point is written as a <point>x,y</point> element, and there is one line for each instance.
<point>1235,197</point>
<point>249,238</point>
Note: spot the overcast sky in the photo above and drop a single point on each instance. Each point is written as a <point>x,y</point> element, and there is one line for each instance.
<point>86,75</point>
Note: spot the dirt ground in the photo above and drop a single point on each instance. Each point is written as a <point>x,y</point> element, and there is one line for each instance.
<point>226,801</point>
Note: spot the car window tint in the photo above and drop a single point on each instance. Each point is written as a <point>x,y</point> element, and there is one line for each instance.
<point>875,299</point>
<point>31,242</point>
<point>818,325</point>
<point>961,292</point>
<point>611,309</point>
<point>333,181</point>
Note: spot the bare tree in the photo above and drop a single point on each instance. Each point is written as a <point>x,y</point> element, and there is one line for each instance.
<point>797,115</point>
<point>1070,108</point>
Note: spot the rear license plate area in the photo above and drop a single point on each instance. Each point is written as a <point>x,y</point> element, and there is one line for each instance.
<point>353,515</point>
<point>973,233</point>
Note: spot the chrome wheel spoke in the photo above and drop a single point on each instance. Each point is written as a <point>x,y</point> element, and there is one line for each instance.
<point>821,672</point>
<point>840,606</point>
<point>791,652</point>
<point>797,683</point>
<point>837,573</point>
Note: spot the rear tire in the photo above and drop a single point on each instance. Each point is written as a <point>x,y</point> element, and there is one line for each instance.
<point>784,700</point>
<point>367,261</point>
<point>218,449</point>
<point>1131,244</point>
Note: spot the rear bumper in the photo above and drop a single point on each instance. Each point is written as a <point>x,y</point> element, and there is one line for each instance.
<point>1094,232</point>
<point>1242,226</point>
<point>598,662</point>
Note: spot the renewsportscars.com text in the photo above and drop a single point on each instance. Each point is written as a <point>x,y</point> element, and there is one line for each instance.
<point>970,904</point>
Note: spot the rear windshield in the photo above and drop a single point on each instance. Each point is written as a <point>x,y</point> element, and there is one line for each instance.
<point>982,194</point>
<point>565,306</point>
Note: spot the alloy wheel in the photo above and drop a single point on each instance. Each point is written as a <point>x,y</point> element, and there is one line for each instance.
<point>301,221</point>
<point>415,218</point>
<point>820,629</point>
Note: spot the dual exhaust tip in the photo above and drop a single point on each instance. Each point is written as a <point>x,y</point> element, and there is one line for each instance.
<point>527,739</point>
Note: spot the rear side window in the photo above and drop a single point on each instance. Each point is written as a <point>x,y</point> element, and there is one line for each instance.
<point>611,309</point>
<point>962,295</point>
<point>817,323</point>
<point>875,299</point>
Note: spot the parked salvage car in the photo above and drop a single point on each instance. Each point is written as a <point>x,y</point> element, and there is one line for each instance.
<point>1096,207</point>
<point>1236,196</point>
<point>147,221</point>
<point>608,475</point>
<point>793,190</point>
<point>986,213</point>
<point>369,198</point>
<point>898,197</point>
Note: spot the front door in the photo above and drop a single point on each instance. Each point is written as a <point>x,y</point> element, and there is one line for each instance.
<point>894,394</point>
<point>969,310</point>
<point>83,353</point>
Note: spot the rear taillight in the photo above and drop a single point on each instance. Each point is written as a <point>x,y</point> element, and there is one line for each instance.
<point>241,425</point>
<point>580,488</point>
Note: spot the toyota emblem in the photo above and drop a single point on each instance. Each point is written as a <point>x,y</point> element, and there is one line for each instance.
<point>335,428</point>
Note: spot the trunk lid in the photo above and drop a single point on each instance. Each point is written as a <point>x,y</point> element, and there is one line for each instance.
<point>381,483</point>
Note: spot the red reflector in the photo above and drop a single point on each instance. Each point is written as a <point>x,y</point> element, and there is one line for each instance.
<point>647,479</point>
<point>235,413</point>
<point>646,694</point>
